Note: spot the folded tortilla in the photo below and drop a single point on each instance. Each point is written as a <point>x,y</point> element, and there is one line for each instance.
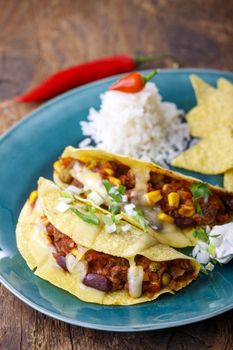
<point>38,250</point>
<point>83,171</point>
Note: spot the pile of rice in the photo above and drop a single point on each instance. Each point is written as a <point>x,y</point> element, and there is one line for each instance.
<point>137,124</point>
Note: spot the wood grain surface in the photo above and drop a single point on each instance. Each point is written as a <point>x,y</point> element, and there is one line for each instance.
<point>40,37</point>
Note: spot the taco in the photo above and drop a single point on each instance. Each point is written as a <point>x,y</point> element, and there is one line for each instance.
<point>77,253</point>
<point>157,200</point>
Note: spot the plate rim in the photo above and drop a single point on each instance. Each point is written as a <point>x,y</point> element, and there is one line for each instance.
<point>128,328</point>
<point>123,329</point>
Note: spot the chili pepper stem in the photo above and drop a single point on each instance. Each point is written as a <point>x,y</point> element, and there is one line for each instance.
<point>143,59</point>
<point>150,76</point>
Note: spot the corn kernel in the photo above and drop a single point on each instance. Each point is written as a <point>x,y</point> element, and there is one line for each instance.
<point>85,159</point>
<point>114,181</point>
<point>165,218</point>
<point>33,196</point>
<point>186,210</point>
<point>92,164</point>
<point>57,166</point>
<point>173,199</point>
<point>153,196</point>
<point>109,171</point>
<point>74,251</point>
<point>165,187</point>
<point>166,278</point>
<point>154,266</point>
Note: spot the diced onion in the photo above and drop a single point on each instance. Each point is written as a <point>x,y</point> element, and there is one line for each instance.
<point>135,279</point>
<point>70,262</point>
<point>107,219</point>
<point>82,269</point>
<point>129,209</point>
<point>209,266</point>
<point>110,228</point>
<point>74,190</point>
<point>124,198</point>
<point>200,253</point>
<point>62,207</point>
<point>66,200</point>
<point>125,228</point>
<point>95,198</point>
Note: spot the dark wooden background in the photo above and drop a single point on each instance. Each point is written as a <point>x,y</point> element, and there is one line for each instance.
<point>40,37</point>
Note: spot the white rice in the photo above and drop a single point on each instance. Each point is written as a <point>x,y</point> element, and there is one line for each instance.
<point>139,125</point>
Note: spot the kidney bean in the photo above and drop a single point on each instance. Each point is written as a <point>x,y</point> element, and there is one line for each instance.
<point>61,261</point>
<point>229,202</point>
<point>184,221</point>
<point>97,281</point>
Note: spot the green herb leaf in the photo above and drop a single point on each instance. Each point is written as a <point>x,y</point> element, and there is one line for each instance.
<point>88,217</point>
<point>199,190</point>
<point>211,249</point>
<point>114,192</point>
<point>121,189</point>
<point>203,270</point>
<point>114,208</point>
<point>107,184</point>
<point>140,218</point>
<point>64,194</point>
<point>197,206</point>
<point>200,233</point>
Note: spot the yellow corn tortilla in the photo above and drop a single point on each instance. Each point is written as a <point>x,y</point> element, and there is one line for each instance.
<point>176,238</point>
<point>37,252</point>
<point>212,155</point>
<point>228,180</point>
<point>214,108</point>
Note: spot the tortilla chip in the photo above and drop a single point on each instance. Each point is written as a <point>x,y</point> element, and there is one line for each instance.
<point>201,88</point>
<point>213,155</point>
<point>214,108</point>
<point>228,180</point>
<point>225,85</point>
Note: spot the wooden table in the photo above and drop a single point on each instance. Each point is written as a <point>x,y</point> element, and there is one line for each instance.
<point>40,37</point>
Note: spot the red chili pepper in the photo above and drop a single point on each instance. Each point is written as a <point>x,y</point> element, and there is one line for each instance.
<point>82,74</point>
<point>133,82</point>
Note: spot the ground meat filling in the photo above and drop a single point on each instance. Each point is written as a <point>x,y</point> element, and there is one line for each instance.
<point>216,210</point>
<point>62,244</point>
<point>157,275</point>
<point>65,174</point>
<point>108,273</point>
<point>114,269</point>
<point>109,170</point>
<point>165,274</point>
<point>213,211</point>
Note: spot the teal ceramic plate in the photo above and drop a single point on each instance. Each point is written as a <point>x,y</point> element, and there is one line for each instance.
<point>27,151</point>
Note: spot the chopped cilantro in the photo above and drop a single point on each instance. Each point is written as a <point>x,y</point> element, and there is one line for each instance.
<point>140,218</point>
<point>114,208</point>
<point>199,190</point>
<point>121,189</point>
<point>201,234</point>
<point>203,270</point>
<point>88,216</point>
<point>64,194</point>
<point>115,192</point>
<point>197,206</point>
<point>117,197</point>
<point>211,249</point>
<point>107,184</point>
